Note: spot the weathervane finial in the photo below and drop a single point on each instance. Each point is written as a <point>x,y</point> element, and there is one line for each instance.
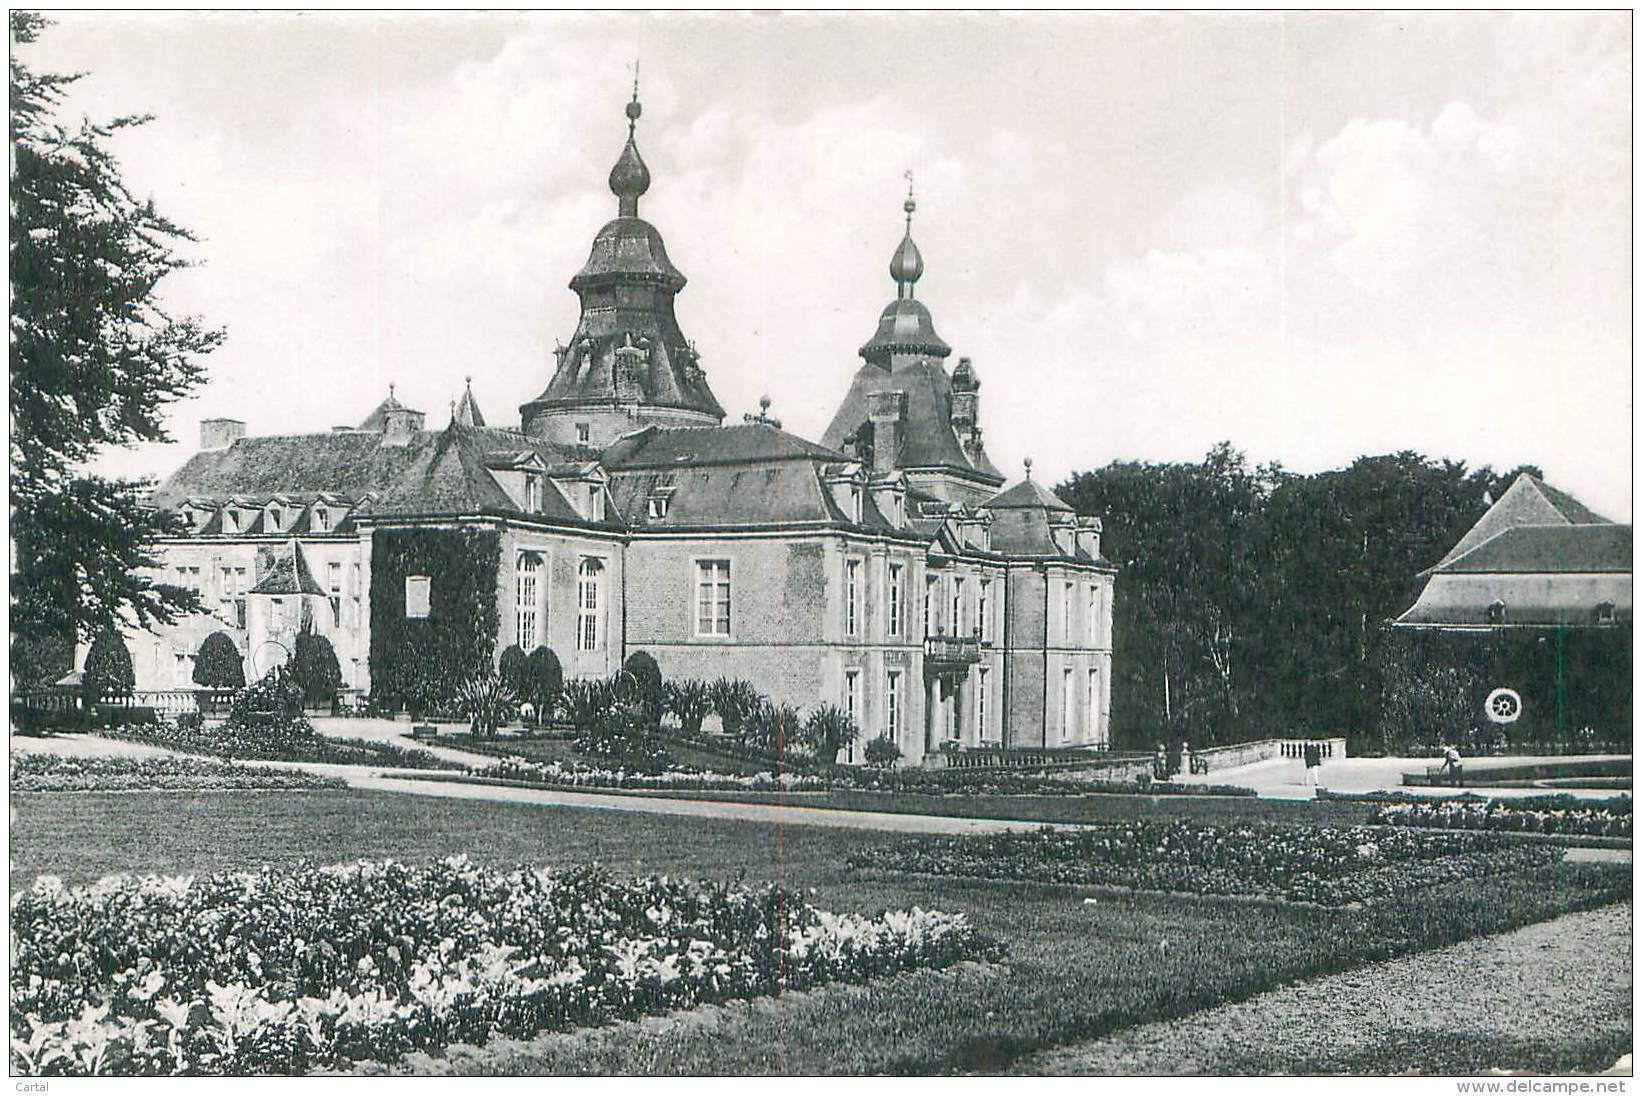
<point>633,107</point>
<point>910,204</point>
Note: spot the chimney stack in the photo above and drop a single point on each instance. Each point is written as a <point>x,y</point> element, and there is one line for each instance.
<point>220,433</point>
<point>887,410</point>
<point>1089,530</point>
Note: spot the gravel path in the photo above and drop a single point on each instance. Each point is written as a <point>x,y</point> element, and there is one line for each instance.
<point>1551,997</point>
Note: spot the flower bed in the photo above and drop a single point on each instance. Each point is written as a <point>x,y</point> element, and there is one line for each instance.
<point>37,772</point>
<point>1331,866</point>
<point>1008,782</point>
<point>287,971</point>
<point>571,774</point>
<point>283,739</point>
<point>1508,817</point>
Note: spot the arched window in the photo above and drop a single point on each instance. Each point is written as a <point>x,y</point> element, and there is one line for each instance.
<point>589,605</point>
<point>527,600</point>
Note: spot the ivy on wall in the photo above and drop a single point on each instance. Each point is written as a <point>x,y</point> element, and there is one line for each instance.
<point>420,661</point>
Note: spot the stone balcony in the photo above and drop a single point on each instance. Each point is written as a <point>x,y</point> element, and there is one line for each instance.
<point>948,654</point>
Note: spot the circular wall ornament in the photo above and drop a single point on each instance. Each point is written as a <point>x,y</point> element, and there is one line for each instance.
<point>1503,706</point>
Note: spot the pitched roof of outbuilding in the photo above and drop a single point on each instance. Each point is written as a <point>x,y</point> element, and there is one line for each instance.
<point>1549,549</point>
<point>1528,501</point>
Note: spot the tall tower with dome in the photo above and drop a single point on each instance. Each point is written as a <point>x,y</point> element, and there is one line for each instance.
<point>628,364</point>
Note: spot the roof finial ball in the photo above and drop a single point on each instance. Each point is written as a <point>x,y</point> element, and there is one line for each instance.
<point>629,179</point>
<point>764,404</point>
<point>907,266</point>
<point>1028,463</point>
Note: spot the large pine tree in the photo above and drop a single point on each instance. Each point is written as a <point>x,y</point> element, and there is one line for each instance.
<point>94,361</point>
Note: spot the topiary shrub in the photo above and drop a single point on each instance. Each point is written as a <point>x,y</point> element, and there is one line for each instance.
<point>882,752</point>
<point>510,667</point>
<point>543,682</point>
<point>108,671</point>
<point>652,695</point>
<point>218,664</point>
<point>691,701</point>
<point>315,669</point>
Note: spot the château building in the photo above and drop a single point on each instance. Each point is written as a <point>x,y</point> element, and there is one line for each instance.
<point>885,568</point>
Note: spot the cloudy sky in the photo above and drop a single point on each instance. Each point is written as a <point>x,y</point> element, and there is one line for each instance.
<point>1315,235</point>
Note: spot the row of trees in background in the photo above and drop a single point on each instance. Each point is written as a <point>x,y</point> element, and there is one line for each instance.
<point>1255,601</point>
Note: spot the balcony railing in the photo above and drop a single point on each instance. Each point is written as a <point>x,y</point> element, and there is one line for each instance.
<point>953,650</point>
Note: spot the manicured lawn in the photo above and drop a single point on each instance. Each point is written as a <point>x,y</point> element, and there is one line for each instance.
<point>1075,970</point>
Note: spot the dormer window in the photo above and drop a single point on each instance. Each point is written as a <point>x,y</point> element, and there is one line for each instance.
<point>230,520</point>
<point>584,433</point>
<point>1496,613</point>
<point>658,506</point>
<point>1604,613</point>
<point>900,509</point>
<point>533,494</point>
<point>322,519</point>
<point>855,505</point>
<point>595,502</point>
<point>188,518</point>
<point>276,518</point>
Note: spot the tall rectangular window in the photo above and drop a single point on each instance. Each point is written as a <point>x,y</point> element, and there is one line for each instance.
<point>533,494</point>
<point>1067,702</point>
<point>1094,615</point>
<point>932,593</point>
<point>1066,615</point>
<point>852,706</point>
<point>983,610</point>
<point>322,519</point>
<point>852,598</point>
<point>527,601</point>
<point>957,614</point>
<point>333,588</point>
<point>713,597</point>
<point>892,705</point>
<point>589,605</point>
<point>233,594</point>
<point>1091,709</point>
<point>895,570</point>
<point>983,684</point>
<point>358,597</point>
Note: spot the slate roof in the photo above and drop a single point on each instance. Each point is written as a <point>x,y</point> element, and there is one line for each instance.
<point>1549,549</point>
<point>1528,501</point>
<point>659,447</point>
<point>1027,494</point>
<point>289,574</point>
<point>377,420</point>
<point>435,472</point>
<point>927,439</point>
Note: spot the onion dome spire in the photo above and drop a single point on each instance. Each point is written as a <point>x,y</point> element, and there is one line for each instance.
<point>907,266</point>
<point>629,179</point>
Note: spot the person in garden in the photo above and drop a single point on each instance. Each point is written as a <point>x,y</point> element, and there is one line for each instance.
<point>1314,762</point>
<point>1450,762</point>
<point>1160,763</point>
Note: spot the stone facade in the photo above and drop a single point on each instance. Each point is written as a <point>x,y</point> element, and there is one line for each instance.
<point>885,569</point>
